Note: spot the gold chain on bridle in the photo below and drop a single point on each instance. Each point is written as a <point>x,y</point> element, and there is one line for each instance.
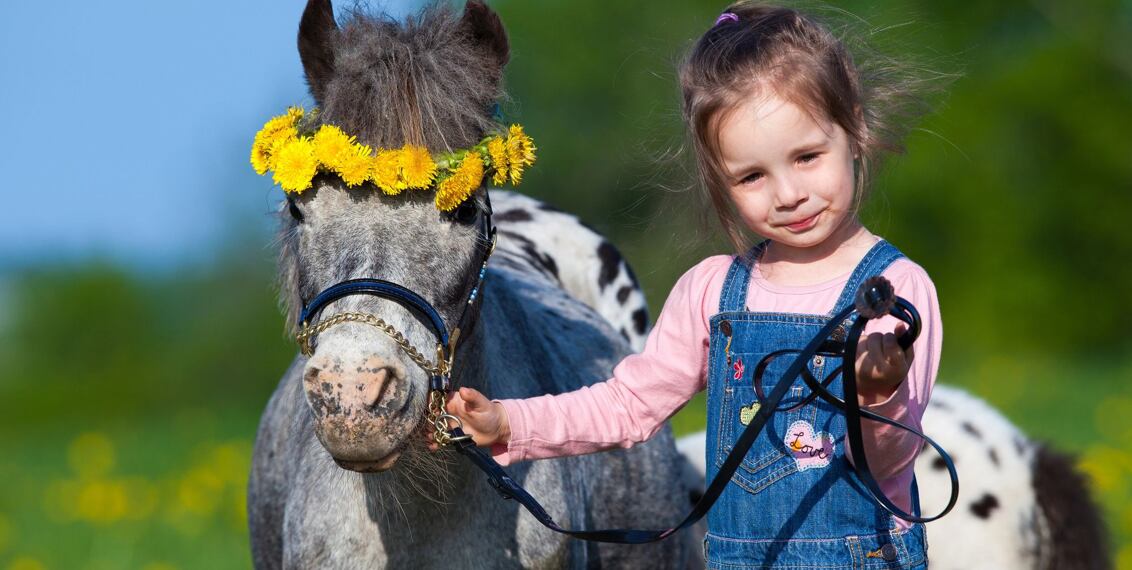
<point>437,416</point>
<point>307,332</point>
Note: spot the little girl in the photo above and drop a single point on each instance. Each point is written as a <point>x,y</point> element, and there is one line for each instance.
<point>784,131</point>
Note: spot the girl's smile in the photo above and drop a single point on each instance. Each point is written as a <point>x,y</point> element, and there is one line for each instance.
<point>803,224</point>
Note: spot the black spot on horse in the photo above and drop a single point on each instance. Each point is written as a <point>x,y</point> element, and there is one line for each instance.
<point>547,207</point>
<point>623,293</point>
<point>939,405</point>
<point>640,320</point>
<point>624,333</point>
<point>531,252</point>
<point>971,429</point>
<point>513,216</point>
<point>993,456</point>
<point>983,507</point>
<point>610,259</point>
<point>514,236</point>
<point>1074,526</point>
<point>939,464</point>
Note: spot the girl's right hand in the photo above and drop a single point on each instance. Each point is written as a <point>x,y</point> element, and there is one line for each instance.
<point>484,420</point>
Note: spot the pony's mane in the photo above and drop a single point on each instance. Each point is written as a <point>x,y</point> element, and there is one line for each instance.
<point>425,81</point>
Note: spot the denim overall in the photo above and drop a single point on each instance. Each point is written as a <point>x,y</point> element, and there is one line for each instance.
<point>795,502</point>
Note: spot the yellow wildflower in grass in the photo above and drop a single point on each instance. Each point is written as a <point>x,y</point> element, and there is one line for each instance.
<point>295,165</point>
<point>331,147</point>
<point>26,563</point>
<point>354,165</point>
<point>279,127</point>
<point>520,152</point>
<point>417,167</point>
<point>159,566</point>
<point>463,181</point>
<point>497,151</point>
<point>385,171</point>
<point>102,501</point>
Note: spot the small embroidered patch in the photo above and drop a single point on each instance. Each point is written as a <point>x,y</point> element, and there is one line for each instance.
<point>747,413</point>
<point>738,368</point>
<point>810,450</point>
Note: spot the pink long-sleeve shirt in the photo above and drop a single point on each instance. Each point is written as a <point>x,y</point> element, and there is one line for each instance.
<point>648,388</point>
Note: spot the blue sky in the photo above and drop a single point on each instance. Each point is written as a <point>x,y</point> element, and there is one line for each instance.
<point>128,124</point>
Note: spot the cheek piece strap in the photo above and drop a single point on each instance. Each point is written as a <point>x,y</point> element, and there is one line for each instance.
<point>874,299</point>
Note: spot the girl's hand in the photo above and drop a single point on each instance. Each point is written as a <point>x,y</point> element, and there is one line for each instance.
<point>881,366</point>
<point>484,420</point>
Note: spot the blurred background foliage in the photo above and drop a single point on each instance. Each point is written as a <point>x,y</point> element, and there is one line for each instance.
<point>129,397</point>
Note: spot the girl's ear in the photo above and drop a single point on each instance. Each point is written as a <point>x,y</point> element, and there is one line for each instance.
<point>486,30</point>
<point>316,48</point>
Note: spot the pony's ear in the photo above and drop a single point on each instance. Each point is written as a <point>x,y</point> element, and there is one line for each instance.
<point>483,25</point>
<point>316,48</point>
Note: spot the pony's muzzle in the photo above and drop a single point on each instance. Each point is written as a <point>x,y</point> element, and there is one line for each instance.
<point>361,407</point>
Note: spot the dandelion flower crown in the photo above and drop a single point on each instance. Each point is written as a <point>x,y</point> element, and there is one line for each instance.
<point>296,154</point>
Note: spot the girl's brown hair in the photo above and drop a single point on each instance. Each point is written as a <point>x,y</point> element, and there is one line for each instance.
<point>780,50</point>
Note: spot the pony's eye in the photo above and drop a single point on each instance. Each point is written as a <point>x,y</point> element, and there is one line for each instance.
<point>294,210</point>
<point>465,213</point>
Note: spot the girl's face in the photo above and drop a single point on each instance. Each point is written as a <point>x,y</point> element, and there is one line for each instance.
<point>790,174</point>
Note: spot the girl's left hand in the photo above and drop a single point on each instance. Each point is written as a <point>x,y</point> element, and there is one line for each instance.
<point>881,366</point>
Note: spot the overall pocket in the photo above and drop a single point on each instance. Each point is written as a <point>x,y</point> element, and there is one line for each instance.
<point>769,459</point>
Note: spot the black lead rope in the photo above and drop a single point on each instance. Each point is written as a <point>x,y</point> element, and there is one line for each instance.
<point>874,299</point>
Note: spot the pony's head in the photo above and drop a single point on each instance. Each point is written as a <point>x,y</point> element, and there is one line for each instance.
<point>430,81</point>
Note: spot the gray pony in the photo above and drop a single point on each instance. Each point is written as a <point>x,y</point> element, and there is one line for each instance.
<point>341,475</point>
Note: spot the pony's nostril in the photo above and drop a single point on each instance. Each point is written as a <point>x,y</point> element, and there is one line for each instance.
<point>310,376</point>
<point>374,389</point>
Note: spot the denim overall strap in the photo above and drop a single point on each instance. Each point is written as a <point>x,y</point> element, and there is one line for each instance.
<point>733,297</point>
<point>878,258</point>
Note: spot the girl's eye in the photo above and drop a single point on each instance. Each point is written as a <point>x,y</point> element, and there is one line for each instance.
<point>751,178</point>
<point>808,157</point>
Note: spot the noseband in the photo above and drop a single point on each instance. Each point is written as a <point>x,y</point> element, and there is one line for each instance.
<point>440,371</point>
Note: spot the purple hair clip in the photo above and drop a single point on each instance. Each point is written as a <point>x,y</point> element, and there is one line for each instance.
<point>726,17</point>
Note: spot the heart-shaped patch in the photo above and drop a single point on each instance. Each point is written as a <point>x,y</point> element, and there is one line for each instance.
<point>810,450</point>
<point>747,413</point>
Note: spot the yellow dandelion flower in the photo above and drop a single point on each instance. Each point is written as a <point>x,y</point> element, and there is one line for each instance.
<point>516,172</point>
<point>520,153</point>
<point>520,148</point>
<point>295,164</point>
<point>354,165</point>
<point>332,146</point>
<point>457,187</point>
<point>497,151</point>
<point>270,134</point>
<point>260,157</point>
<point>385,171</point>
<point>276,142</point>
<point>417,166</point>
